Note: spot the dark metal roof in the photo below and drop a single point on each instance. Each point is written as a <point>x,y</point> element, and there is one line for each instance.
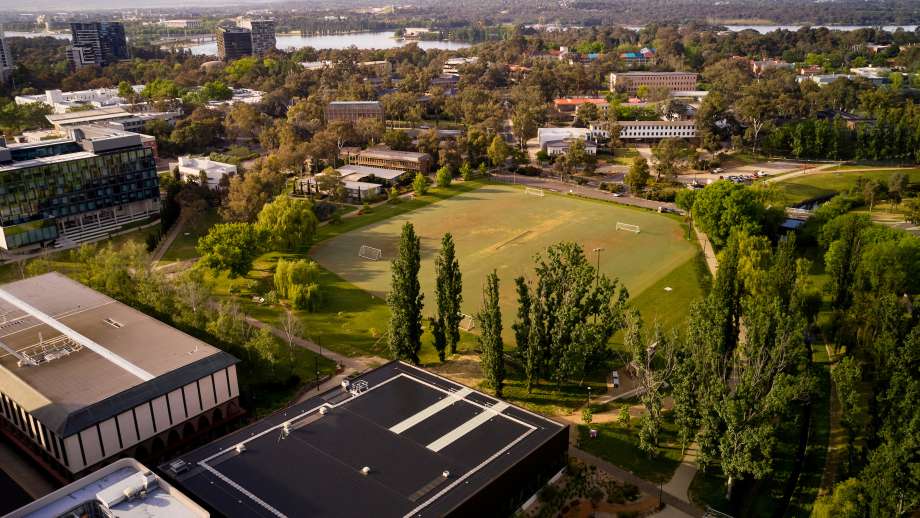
<point>146,391</point>
<point>315,470</point>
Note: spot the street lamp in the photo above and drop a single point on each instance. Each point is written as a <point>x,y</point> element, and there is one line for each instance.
<point>597,252</point>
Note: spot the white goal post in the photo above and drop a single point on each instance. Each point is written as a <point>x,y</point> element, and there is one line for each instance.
<point>533,191</point>
<point>467,322</point>
<point>370,253</point>
<point>628,227</point>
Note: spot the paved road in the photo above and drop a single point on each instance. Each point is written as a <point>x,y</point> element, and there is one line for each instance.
<point>554,185</point>
<point>645,486</point>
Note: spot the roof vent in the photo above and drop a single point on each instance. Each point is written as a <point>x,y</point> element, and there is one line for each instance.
<point>366,470</point>
<point>114,323</point>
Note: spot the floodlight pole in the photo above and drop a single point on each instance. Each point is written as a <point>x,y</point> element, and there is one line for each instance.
<point>597,275</point>
<point>597,272</point>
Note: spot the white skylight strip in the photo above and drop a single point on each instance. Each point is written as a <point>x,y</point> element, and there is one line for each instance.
<point>75,336</point>
<point>429,411</point>
<point>467,427</point>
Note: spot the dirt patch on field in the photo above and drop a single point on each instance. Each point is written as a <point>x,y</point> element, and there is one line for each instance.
<point>463,368</point>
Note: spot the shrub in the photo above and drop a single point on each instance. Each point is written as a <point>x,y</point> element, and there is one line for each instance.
<point>466,172</point>
<point>306,296</point>
<point>528,170</point>
<point>324,210</point>
<point>444,177</point>
<point>420,184</point>
<point>290,280</point>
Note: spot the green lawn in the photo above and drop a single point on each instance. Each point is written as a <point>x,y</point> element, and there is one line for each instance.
<point>688,282</point>
<point>497,227</point>
<point>351,321</point>
<point>184,246</point>
<point>621,156</point>
<point>389,210</point>
<point>708,489</point>
<point>620,446</point>
<point>817,185</point>
<point>816,452</point>
<point>851,167</point>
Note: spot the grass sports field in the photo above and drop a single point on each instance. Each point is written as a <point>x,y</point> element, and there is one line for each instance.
<point>500,227</point>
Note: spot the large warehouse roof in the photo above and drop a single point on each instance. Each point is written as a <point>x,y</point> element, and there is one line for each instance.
<point>73,357</point>
<point>399,442</point>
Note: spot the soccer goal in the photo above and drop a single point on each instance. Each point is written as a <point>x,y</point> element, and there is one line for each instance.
<point>370,253</point>
<point>533,191</point>
<point>627,227</point>
<point>467,322</point>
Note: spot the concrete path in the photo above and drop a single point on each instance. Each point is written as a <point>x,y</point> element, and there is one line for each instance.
<point>168,239</point>
<point>709,253</point>
<point>679,485</point>
<point>645,486</point>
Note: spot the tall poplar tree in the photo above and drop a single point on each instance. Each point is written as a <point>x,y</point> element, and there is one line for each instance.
<point>490,337</point>
<point>448,290</point>
<point>405,298</point>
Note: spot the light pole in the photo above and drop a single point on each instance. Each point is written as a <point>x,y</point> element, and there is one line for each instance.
<point>597,272</point>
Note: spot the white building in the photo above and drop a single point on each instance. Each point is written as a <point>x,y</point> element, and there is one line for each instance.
<point>182,24</point>
<point>63,102</point>
<point>85,379</point>
<point>316,65</point>
<point>556,141</point>
<point>118,118</point>
<point>190,168</point>
<point>656,130</point>
<point>823,79</point>
<point>876,75</point>
<point>453,65</point>
<point>355,188</point>
<point>123,489</point>
<point>871,72</point>
<point>240,95</point>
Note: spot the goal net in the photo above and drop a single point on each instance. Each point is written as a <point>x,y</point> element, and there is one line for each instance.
<point>467,322</point>
<point>533,191</point>
<point>627,227</point>
<point>370,253</point>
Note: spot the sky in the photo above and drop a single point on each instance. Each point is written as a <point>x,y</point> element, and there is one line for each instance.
<point>85,5</point>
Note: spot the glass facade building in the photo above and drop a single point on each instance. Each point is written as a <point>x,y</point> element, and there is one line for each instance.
<point>47,189</point>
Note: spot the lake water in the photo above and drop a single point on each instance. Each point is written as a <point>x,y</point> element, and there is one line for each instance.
<point>385,40</point>
<point>361,40</point>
